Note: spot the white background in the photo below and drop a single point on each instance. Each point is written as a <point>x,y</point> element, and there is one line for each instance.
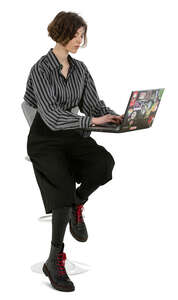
<point>132,220</point>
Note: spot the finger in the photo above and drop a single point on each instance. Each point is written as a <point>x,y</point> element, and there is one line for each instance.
<point>116,117</point>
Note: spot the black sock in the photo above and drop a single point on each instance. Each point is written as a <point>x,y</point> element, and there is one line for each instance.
<point>60,219</point>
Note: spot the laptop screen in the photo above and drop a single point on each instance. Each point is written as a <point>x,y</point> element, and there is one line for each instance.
<point>142,108</point>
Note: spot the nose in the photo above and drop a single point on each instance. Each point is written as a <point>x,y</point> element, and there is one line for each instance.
<point>79,40</point>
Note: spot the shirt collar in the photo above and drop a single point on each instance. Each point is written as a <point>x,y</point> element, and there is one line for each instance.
<point>53,62</point>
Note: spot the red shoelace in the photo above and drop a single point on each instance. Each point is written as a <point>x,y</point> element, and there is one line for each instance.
<point>79,213</point>
<point>61,257</point>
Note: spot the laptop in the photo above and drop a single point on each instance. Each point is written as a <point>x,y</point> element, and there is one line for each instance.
<point>140,112</point>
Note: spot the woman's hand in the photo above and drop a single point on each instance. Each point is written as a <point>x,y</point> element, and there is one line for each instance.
<point>118,119</point>
<point>108,118</point>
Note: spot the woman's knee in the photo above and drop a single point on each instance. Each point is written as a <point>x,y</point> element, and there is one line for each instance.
<point>104,167</point>
<point>110,162</point>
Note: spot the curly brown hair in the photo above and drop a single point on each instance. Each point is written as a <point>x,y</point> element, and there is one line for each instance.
<point>64,26</point>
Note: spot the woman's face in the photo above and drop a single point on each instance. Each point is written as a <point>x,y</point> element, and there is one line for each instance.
<point>73,45</point>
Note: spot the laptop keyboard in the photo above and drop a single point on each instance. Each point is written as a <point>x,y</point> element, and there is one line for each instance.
<point>108,124</point>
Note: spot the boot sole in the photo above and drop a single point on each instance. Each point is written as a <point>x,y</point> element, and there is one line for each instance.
<point>74,236</point>
<point>57,287</point>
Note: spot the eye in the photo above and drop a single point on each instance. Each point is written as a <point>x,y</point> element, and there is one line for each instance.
<point>82,36</point>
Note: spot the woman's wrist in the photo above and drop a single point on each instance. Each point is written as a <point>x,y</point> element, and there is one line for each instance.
<point>93,122</point>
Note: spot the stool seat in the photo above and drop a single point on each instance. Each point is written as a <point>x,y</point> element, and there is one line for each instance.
<point>27,158</point>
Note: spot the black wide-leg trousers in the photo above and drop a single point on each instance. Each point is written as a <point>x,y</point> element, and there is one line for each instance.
<point>62,158</point>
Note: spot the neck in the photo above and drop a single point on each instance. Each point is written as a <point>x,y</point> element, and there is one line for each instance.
<point>61,53</point>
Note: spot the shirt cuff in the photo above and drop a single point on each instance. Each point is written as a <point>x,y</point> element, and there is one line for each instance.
<point>85,122</point>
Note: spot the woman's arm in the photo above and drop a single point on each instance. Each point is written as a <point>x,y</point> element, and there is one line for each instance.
<point>51,113</point>
<point>90,103</point>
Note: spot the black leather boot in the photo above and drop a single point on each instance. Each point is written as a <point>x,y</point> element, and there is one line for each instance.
<point>77,225</point>
<point>54,268</point>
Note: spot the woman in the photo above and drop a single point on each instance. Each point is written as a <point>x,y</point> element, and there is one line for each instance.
<point>61,151</point>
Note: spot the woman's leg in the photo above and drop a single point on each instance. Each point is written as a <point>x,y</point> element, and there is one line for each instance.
<point>52,171</point>
<point>91,165</point>
<point>60,219</point>
<point>54,266</point>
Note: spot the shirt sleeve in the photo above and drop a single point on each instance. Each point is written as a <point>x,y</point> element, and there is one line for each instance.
<point>29,94</point>
<point>48,108</point>
<point>90,102</point>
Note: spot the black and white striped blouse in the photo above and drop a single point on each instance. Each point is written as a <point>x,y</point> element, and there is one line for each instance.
<point>54,96</point>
